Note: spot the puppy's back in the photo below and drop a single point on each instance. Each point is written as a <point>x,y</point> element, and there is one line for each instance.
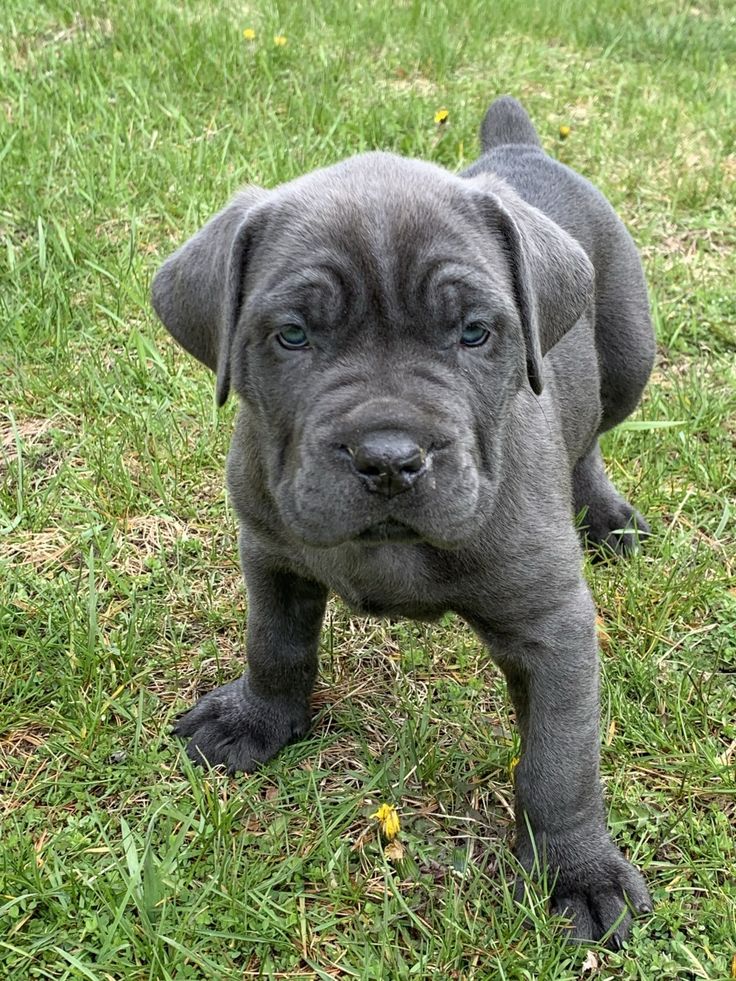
<point>512,150</point>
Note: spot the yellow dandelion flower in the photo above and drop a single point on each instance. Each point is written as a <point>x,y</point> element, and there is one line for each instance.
<point>441,116</point>
<point>249,34</point>
<point>388,819</point>
<point>279,40</point>
<point>564,132</point>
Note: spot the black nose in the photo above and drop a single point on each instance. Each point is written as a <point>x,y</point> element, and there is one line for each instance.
<point>390,462</point>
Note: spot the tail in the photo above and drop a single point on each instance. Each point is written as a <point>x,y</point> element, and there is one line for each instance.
<point>507,122</point>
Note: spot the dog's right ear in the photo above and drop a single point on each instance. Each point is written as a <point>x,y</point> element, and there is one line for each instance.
<point>197,292</point>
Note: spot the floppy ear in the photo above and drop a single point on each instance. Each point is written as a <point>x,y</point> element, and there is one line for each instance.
<point>197,293</point>
<point>552,275</point>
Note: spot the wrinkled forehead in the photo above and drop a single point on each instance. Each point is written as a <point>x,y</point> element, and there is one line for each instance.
<point>379,211</point>
<point>399,236</point>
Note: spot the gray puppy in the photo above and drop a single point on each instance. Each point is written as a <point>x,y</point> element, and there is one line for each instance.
<point>424,364</point>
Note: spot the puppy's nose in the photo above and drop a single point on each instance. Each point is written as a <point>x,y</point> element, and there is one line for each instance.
<point>390,462</point>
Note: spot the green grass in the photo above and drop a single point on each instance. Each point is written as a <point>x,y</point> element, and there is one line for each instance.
<point>122,127</point>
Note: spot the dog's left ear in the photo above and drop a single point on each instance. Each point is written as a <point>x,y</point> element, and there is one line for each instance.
<point>198,291</point>
<point>553,277</point>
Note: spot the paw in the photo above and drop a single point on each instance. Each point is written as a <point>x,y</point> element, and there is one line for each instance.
<point>596,890</point>
<point>598,899</point>
<point>615,528</point>
<point>234,728</point>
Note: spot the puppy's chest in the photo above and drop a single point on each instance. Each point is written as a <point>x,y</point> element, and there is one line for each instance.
<point>385,580</point>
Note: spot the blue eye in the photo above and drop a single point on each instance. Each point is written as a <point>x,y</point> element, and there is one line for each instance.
<point>293,338</point>
<point>474,334</point>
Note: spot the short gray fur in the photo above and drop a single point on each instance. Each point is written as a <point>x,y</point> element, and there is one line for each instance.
<point>393,463</point>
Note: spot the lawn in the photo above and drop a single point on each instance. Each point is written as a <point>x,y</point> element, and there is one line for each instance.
<point>122,128</point>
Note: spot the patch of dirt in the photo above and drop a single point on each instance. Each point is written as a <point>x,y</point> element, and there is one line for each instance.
<point>88,29</point>
<point>38,548</point>
<point>29,432</point>
<point>408,82</point>
<point>22,743</point>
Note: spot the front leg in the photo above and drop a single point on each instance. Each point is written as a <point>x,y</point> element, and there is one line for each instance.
<point>246,722</point>
<point>550,661</point>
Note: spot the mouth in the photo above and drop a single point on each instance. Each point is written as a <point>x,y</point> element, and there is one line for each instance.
<point>388,531</point>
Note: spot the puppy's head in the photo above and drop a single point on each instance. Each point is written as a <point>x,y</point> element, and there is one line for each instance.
<point>376,318</point>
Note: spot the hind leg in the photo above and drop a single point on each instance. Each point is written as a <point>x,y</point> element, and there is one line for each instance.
<point>624,336</point>
<point>626,349</point>
<point>609,523</point>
